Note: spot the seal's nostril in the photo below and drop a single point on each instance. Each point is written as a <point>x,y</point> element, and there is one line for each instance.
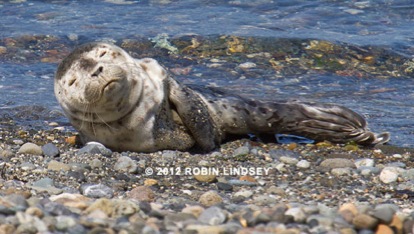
<point>97,72</point>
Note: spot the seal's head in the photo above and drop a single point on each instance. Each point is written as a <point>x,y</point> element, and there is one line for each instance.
<point>98,82</point>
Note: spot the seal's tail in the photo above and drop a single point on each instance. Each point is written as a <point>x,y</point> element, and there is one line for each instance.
<point>236,115</point>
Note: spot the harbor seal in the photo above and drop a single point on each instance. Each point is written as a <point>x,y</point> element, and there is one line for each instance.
<point>131,104</point>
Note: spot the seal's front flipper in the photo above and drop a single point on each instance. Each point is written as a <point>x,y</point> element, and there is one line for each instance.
<point>194,115</point>
<point>327,122</point>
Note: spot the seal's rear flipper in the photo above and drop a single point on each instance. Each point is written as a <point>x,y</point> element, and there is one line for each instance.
<point>381,138</point>
<point>328,122</point>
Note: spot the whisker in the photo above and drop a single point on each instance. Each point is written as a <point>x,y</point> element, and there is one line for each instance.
<point>85,116</point>
<point>92,124</point>
<point>104,122</point>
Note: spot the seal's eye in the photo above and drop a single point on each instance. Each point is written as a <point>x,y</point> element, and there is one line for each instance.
<point>102,54</point>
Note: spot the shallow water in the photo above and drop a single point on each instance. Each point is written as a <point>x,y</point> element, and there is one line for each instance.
<point>388,103</point>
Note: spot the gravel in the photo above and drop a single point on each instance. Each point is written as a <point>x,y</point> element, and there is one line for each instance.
<point>244,187</point>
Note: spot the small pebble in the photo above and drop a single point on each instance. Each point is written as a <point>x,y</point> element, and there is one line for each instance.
<point>241,183</point>
<point>169,155</point>
<point>332,163</point>
<point>16,201</point>
<point>244,193</point>
<point>207,178</point>
<point>277,154</point>
<point>96,190</point>
<point>247,178</point>
<point>224,186</point>
<point>396,164</point>
<point>18,142</point>
<point>194,210</point>
<point>27,166</point>
<point>408,174</point>
<point>341,171</point>
<point>30,148</point>
<point>171,220</point>
<point>384,229</point>
<point>247,65</point>
<point>297,213</point>
<point>364,221</point>
<point>304,164</point>
<point>150,182</point>
<point>384,213</point>
<point>50,150</point>
<point>366,171</point>
<point>64,222</point>
<point>241,151</point>
<point>364,162</point>
<point>289,160</point>
<point>95,163</point>
<point>210,198</point>
<point>126,164</point>
<point>225,228</point>
<point>204,163</point>
<point>46,185</point>
<point>141,193</point>
<point>263,200</point>
<point>213,216</point>
<point>95,148</point>
<point>276,190</point>
<point>57,166</point>
<point>34,211</point>
<point>397,156</point>
<point>389,175</point>
<point>72,140</point>
<point>3,50</point>
<point>320,220</point>
<point>348,207</point>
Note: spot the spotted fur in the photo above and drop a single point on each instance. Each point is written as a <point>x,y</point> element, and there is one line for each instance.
<point>132,104</point>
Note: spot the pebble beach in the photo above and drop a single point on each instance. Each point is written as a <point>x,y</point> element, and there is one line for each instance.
<point>48,184</point>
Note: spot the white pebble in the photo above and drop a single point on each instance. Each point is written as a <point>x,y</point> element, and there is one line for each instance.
<point>18,142</point>
<point>247,65</point>
<point>244,193</point>
<point>397,155</point>
<point>367,162</point>
<point>214,65</point>
<point>281,167</point>
<point>297,213</point>
<point>341,171</point>
<point>303,164</point>
<point>289,160</point>
<point>366,172</point>
<point>59,129</point>
<point>389,175</point>
<point>187,192</point>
